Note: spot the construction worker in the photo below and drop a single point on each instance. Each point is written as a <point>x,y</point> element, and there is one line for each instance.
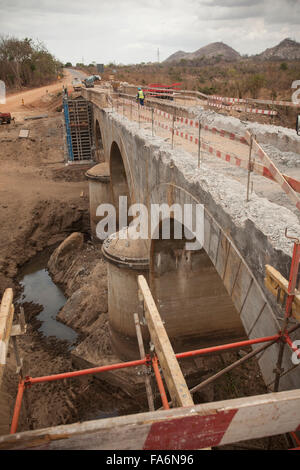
<point>140,96</point>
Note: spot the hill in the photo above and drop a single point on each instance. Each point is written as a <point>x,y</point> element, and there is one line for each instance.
<point>285,50</point>
<point>213,50</point>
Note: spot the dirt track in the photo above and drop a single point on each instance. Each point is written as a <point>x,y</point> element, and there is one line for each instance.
<point>14,101</point>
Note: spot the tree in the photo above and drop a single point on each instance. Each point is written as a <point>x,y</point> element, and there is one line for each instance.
<point>68,64</point>
<point>25,62</point>
<point>255,83</point>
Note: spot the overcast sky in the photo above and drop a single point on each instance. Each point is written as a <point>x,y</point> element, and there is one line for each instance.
<point>130,31</point>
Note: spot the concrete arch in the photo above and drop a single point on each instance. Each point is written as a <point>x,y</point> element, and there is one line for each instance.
<point>99,143</point>
<point>98,135</point>
<point>102,140</point>
<point>121,183</point>
<point>249,300</point>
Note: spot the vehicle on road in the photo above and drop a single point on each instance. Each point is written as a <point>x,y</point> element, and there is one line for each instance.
<point>5,118</point>
<point>77,85</point>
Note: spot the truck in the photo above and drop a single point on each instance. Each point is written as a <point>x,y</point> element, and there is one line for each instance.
<point>77,85</point>
<point>89,82</point>
<point>5,118</point>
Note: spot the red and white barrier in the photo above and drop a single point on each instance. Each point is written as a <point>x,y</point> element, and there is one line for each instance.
<point>274,172</point>
<point>267,112</point>
<point>186,428</point>
<point>253,100</point>
<point>288,184</point>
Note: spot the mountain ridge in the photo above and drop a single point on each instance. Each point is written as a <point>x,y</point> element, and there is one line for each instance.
<point>287,49</point>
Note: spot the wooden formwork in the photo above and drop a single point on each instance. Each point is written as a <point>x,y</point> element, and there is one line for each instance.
<point>6,320</point>
<point>80,117</point>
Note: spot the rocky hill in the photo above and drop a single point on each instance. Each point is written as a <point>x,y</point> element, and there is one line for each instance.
<point>285,50</point>
<point>213,50</point>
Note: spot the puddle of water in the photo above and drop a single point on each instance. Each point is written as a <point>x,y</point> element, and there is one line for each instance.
<point>40,289</point>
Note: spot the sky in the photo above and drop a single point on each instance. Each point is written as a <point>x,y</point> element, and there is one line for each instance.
<point>130,31</point>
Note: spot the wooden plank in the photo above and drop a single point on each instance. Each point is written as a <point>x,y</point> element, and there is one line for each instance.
<point>6,319</point>
<point>194,427</point>
<point>278,286</point>
<point>175,381</point>
<point>143,355</point>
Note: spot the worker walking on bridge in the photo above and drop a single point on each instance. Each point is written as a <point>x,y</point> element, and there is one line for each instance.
<point>140,96</point>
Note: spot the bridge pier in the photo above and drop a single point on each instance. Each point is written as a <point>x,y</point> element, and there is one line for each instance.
<point>127,259</point>
<point>99,193</point>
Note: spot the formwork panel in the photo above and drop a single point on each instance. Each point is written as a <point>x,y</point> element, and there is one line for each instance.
<point>80,129</point>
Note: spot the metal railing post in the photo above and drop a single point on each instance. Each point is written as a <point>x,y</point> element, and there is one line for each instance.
<point>173,125</point>
<point>199,144</point>
<point>249,168</point>
<point>152,111</point>
<point>139,115</point>
<point>288,306</point>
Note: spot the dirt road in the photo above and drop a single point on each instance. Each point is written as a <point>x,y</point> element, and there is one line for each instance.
<point>14,101</point>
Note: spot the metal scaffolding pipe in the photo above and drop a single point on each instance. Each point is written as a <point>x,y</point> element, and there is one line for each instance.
<point>289,341</point>
<point>225,347</point>
<point>230,367</point>
<point>17,410</point>
<point>160,384</point>
<point>78,373</point>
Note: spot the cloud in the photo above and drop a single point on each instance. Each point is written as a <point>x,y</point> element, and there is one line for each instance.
<point>130,31</point>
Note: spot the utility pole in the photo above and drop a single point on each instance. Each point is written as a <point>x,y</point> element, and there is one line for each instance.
<point>158,54</point>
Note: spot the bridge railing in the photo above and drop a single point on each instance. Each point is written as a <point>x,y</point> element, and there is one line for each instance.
<point>195,136</point>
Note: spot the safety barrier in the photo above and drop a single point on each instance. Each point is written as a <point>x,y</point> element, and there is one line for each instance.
<point>267,112</point>
<point>195,430</point>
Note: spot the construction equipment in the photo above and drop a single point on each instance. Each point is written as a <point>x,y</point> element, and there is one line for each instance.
<point>5,118</point>
<point>89,81</point>
<point>157,90</point>
<point>77,85</point>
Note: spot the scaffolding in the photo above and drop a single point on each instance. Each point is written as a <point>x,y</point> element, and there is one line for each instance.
<point>78,124</point>
<point>179,424</point>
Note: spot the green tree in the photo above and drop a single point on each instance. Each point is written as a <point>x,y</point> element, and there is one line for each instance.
<point>283,66</point>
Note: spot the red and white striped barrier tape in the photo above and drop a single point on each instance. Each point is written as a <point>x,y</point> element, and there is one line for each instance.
<point>274,172</point>
<point>243,100</point>
<point>267,112</point>
<point>246,110</point>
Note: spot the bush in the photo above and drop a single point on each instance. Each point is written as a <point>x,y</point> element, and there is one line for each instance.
<point>24,62</point>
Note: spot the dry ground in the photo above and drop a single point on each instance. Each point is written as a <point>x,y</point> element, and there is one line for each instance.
<point>41,202</point>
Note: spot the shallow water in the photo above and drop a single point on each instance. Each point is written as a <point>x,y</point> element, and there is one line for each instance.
<point>40,289</point>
